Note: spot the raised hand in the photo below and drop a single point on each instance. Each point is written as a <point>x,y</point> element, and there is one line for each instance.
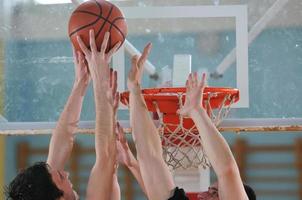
<point>98,60</point>
<point>124,154</point>
<point>137,68</point>
<point>82,77</point>
<point>194,92</point>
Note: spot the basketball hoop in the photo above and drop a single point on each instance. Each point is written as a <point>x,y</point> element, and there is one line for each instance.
<point>182,147</point>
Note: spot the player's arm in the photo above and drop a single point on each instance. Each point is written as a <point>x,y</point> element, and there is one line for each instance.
<point>126,157</point>
<point>62,139</point>
<point>156,176</point>
<point>216,148</point>
<point>116,190</point>
<point>104,86</point>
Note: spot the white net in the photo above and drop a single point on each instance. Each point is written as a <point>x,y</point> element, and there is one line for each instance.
<point>182,145</point>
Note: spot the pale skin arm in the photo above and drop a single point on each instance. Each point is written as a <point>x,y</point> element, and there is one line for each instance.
<point>116,191</point>
<point>104,85</point>
<point>126,157</point>
<point>230,185</point>
<point>62,139</point>
<point>156,176</point>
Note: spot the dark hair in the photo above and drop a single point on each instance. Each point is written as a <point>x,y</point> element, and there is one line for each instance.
<point>33,183</point>
<point>250,192</point>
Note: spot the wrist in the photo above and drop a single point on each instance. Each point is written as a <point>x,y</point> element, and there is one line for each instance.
<point>104,108</point>
<point>135,89</point>
<point>79,87</point>
<point>100,86</point>
<point>197,112</point>
<point>81,81</point>
<point>133,163</point>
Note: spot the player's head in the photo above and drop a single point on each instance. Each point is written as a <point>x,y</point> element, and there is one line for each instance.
<point>40,182</point>
<point>250,192</point>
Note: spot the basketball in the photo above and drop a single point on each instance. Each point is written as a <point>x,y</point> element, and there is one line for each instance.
<point>102,17</point>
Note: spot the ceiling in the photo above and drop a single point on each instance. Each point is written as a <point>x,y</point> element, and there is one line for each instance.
<point>26,19</point>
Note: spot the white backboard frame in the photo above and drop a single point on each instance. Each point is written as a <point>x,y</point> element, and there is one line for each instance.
<point>239,12</point>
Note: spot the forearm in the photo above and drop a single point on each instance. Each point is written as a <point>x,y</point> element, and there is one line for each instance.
<point>105,143</point>
<point>116,191</point>
<point>103,173</point>
<point>149,150</point>
<point>63,136</point>
<point>100,181</point>
<point>135,170</point>
<point>145,133</point>
<point>215,146</point>
<point>68,121</point>
<point>105,138</point>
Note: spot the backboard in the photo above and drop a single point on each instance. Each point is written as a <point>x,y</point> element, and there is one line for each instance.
<point>38,70</point>
<point>38,63</point>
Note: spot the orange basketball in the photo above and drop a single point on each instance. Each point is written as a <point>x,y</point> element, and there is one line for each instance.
<point>101,16</point>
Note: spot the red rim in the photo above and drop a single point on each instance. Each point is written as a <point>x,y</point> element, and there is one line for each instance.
<point>193,195</point>
<point>167,99</point>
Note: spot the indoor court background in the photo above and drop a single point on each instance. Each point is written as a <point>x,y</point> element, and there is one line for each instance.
<point>36,75</point>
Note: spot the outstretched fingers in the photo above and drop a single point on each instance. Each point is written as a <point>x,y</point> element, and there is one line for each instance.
<point>75,55</point>
<point>113,50</point>
<point>105,43</point>
<point>144,55</point>
<point>190,80</point>
<point>80,57</point>
<point>133,70</point>
<point>83,46</point>
<point>81,62</point>
<point>92,41</point>
<point>134,61</point>
<point>203,81</point>
<point>137,63</point>
<point>121,134</point>
<point>188,88</point>
<point>195,79</point>
<point>116,101</point>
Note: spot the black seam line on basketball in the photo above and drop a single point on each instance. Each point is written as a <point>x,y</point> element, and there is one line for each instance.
<point>105,20</point>
<point>100,17</point>
<point>118,29</point>
<point>87,12</point>
<point>95,15</point>
<point>85,26</point>
<point>100,7</point>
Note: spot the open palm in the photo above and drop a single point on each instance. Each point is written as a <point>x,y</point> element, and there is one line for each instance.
<point>137,67</point>
<point>194,91</point>
<point>80,68</point>
<point>124,155</point>
<point>98,61</point>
